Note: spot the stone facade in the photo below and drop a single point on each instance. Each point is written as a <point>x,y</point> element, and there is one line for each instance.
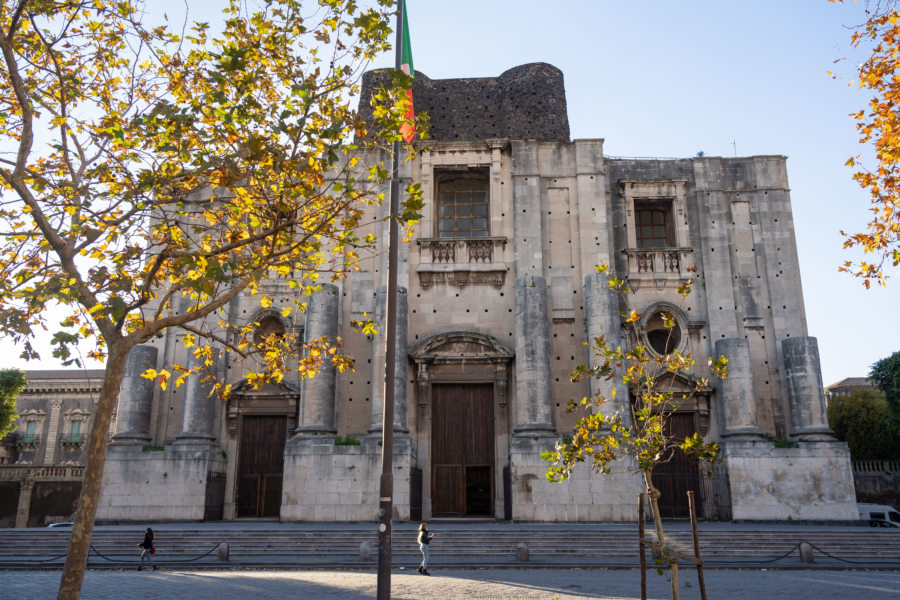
<point>499,295</point>
<point>42,460</point>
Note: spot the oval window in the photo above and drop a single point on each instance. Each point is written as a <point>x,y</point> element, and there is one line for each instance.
<point>661,339</point>
<point>267,326</point>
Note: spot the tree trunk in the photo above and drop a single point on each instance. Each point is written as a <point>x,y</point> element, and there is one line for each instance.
<point>671,561</point>
<point>80,542</point>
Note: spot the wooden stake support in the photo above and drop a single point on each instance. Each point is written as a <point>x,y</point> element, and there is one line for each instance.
<point>645,543</point>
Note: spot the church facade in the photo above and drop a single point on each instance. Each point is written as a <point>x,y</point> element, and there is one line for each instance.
<point>499,296</point>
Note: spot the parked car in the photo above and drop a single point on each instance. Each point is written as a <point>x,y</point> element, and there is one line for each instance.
<point>60,525</point>
<point>880,523</point>
<point>879,515</point>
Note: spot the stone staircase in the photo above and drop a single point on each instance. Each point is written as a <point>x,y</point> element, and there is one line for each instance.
<point>472,546</point>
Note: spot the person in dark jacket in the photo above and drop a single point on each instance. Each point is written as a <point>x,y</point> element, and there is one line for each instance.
<point>147,551</point>
<point>424,540</point>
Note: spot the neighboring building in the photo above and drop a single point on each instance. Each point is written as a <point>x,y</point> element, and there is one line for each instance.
<point>500,296</point>
<point>847,385</point>
<point>42,460</point>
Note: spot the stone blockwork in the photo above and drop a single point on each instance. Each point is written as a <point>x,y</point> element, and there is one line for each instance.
<point>527,102</point>
<point>584,496</point>
<point>168,485</point>
<point>328,482</point>
<point>810,481</point>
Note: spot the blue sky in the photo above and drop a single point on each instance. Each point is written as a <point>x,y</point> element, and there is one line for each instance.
<point>669,79</point>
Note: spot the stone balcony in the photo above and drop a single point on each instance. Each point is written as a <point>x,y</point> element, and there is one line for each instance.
<point>663,266</point>
<point>26,472</point>
<point>462,261</point>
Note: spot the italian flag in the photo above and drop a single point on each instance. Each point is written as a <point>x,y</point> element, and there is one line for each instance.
<point>408,129</point>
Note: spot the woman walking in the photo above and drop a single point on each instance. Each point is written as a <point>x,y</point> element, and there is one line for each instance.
<point>424,540</point>
<point>148,549</point>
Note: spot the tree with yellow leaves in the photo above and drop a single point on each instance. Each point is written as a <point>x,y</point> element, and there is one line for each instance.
<point>879,125</point>
<point>152,174</point>
<point>633,430</point>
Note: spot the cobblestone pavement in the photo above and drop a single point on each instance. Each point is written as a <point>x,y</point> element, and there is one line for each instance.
<point>492,584</point>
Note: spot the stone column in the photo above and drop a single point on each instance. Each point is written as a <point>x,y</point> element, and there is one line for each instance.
<point>400,364</point>
<point>53,432</point>
<point>601,306</point>
<point>317,394</point>
<point>534,398</point>
<point>737,402</point>
<point>136,397</point>
<point>23,510</point>
<point>199,404</point>
<point>809,417</point>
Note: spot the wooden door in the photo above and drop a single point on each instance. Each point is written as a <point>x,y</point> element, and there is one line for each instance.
<point>261,466</point>
<point>462,450</point>
<point>678,476</point>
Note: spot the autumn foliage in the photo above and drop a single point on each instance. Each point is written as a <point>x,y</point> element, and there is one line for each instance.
<point>153,172</point>
<point>878,125</point>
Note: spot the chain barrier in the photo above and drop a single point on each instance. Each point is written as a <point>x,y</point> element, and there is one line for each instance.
<point>707,562</point>
<point>711,562</point>
<point>103,556</point>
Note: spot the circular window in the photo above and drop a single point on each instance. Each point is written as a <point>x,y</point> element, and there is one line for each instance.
<point>268,325</point>
<point>662,339</point>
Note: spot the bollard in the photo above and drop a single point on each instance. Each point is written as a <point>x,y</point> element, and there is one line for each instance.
<point>365,551</point>
<point>522,552</point>
<point>806,553</point>
<point>222,551</point>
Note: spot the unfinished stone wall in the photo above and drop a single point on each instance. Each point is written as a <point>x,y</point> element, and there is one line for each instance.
<point>168,485</point>
<point>584,496</point>
<point>328,482</point>
<point>527,102</point>
<point>811,481</point>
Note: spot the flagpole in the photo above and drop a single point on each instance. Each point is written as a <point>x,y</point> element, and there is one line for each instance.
<point>386,488</point>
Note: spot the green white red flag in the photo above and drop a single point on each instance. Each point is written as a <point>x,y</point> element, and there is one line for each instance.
<point>408,129</point>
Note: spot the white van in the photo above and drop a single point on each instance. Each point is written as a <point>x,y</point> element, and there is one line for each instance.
<point>879,515</point>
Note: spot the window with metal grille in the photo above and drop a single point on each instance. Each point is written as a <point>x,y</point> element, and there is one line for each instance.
<point>653,224</point>
<point>462,207</point>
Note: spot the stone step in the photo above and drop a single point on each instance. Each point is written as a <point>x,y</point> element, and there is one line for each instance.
<point>858,544</point>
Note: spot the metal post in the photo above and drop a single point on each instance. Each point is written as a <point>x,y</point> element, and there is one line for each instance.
<point>386,490</point>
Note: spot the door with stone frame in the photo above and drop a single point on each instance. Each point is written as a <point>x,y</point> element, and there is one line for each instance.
<point>261,465</point>
<point>675,478</point>
<point>462,450</point>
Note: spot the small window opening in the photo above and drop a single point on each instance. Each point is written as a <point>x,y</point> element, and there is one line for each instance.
<point>663,340</point>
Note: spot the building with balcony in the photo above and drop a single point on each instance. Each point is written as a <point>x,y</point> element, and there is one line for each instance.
<point>42,460</point>
<point>499,296</point>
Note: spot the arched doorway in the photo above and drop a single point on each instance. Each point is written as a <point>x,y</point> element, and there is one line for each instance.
<point>463,423</point>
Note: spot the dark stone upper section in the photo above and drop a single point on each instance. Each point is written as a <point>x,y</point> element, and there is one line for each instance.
<point>527,102</point>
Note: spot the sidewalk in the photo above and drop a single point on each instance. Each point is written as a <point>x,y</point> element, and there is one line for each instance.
<point>561,584</point>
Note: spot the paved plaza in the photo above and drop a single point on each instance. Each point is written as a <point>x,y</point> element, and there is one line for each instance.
<point>470,584</point>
